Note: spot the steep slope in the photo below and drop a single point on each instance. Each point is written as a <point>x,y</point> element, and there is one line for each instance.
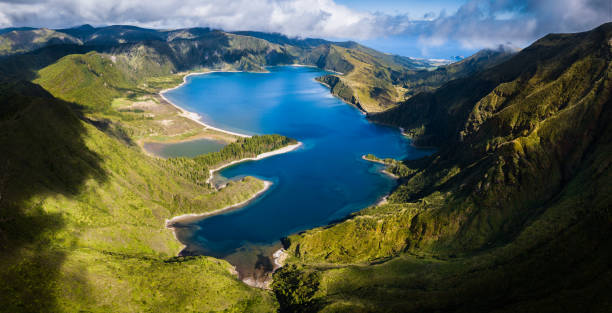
<point>92,79</point>
<point>82,32</point>
<point>366,76</point>
<point>24,40</point>
<point>102,76</point>
<point>369,79</point>
<point>511,214</point>
<point>417,115</point>
<point>375,82</point>
<point>82,217</point>
<point>118,34</point>
<point>10,29</point>
<point>417,81</point>
<point>281,39</point>
<point>183,49</point>
<point>82,208</point>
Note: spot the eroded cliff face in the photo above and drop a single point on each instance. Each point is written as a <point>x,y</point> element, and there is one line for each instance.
<point>512,151</point>
<point>519,185</point>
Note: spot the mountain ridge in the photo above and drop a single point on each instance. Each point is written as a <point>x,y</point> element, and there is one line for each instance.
<point>374,78</point>
<point>524,164</point>
<point>510,214</point>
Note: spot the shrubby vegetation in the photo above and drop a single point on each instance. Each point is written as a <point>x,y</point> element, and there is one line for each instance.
<point>82,208</point>
<point>511,214</point>
<point>24,40</point>
<point>295,289</point>
<point>393,166</point>
<point>369,79</point>
<point>197,169</point>
<point>245,148</point>
<point>502,217</point>
<point>82,218</point>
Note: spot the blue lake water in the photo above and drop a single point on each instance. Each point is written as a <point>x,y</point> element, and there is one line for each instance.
<point>323,181</point>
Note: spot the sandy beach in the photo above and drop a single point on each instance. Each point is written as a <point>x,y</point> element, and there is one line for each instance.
<point>279,258</point>
<point>198,119</point>
<point>258,157</point>
<point>191,217</point>
<point>195,116</point>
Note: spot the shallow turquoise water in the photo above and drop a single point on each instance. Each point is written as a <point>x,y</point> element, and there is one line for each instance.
<point>323,181</point>
<point>190,148</point>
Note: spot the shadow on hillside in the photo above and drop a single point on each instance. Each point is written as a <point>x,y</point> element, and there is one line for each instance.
<point>42,154</point>
<point>26,65</point>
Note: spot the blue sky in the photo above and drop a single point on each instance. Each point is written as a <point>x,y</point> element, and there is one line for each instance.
<point>450,28</point>
<point>409,45</point>
<point>414,8</point>
<point>431,28</point>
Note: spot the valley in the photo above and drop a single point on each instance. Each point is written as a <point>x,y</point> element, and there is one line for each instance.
<point>509,212</point>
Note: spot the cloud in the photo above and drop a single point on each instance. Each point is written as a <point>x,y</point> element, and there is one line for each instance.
<point>476,24</point>
<point>488,23</point>
<point>314,18</point>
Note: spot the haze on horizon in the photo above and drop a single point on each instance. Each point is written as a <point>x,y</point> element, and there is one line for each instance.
<point>433,29</point>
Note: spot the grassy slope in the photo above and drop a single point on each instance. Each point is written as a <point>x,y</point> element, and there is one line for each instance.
<point>372,80</point>
<point>83,209</point>
<point>91,79</point>
<point>376,82</point>
<point>503,126</point>
<point>513,216</point>
<point>20,41</point>
<point>366,79</point>
<point>416,81</point>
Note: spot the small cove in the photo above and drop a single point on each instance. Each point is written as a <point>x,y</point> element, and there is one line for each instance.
<point>324,180</point>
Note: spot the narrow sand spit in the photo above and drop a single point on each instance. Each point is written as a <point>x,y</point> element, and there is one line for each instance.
<point>259,157</point>
<point>189,218</point>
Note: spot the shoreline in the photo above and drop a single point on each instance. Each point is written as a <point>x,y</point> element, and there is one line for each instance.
<point>264,155</point>
<point>358,107</point>
<point>278,260</point>
<point>192,217</point>
<point>278,257</point>
<point>195,116</point>
<point>384,171</point>
<point>313,66</point>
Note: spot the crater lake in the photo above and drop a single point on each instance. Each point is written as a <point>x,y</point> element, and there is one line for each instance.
<point>324,180</point>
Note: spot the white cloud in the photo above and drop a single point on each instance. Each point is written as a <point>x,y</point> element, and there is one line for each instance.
<point>312,18</point>
<point>488,23</point>
<point>476,24</point>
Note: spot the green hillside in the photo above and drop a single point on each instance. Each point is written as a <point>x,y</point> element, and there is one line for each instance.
<point>511,214</point>
<point>375,81</point>
<point>417,81</point>
<point>83,209</point>
<point>25,40</point>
